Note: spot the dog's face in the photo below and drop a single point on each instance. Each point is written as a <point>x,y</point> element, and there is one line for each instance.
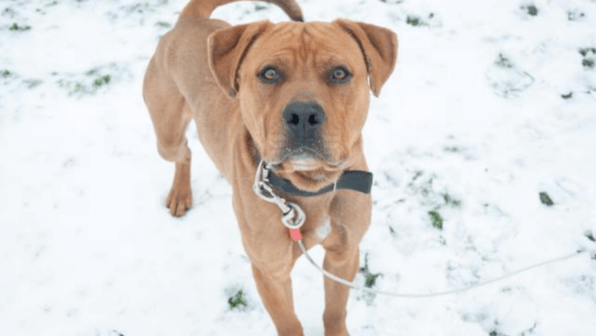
<point>304,90</point>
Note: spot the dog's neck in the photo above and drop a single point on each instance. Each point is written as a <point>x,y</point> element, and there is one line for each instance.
<point>356,180</point>
<point>350,179</point>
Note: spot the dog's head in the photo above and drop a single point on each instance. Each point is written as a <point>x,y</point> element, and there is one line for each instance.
<point>303,90</point>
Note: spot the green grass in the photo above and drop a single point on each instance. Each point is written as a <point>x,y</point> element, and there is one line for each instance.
<point>6,73</point>
<point>545,199</point>
<point>590,236</point>
<point>574,16</point>
<point>413,21</point>
<point>9,12</point>
<point>100,81</point>
<point>436,219</point>
<point>503,62</point>
<point>32,83</point>
<point>370,279</point>
<point>80,86</point>
<point>588,55</point>
<point>567,96</point>
<point>16,27</point>
<point>237,301</point>
<point>585,51</point>
<point>531,9</point>
<point>451,201</point>
<point>163,24</point>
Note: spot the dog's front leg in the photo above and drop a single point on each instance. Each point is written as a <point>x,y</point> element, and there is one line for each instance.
<point>275,288</point>
<point>350,218</point>
<point>345,265</point>
<point>272,255</point>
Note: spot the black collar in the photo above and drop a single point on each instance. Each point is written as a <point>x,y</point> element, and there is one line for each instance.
<point>352,180</point>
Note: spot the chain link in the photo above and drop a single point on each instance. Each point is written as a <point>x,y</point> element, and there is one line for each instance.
<point>293,217</point>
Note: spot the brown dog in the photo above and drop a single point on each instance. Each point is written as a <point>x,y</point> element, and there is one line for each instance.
<point>294,95</point>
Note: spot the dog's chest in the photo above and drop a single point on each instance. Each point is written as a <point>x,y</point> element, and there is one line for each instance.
<point>323,229</point>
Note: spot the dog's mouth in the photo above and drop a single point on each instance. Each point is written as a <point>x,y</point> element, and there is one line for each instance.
<point>305,160</point>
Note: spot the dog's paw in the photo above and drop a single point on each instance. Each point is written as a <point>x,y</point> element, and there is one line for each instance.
<point>179,200</point>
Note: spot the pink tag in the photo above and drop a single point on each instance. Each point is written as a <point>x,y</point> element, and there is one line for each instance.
<point>295,233</point>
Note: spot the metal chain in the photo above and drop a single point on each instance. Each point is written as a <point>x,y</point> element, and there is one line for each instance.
<point>293,217</point>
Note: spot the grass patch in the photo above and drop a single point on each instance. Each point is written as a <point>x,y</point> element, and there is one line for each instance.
<point>590,236</point>
<point>545,199</point>
<point>6,73</point>
<point>507,79</point>
<point>451,201</point>
<point>589,56</point>
<point>32,83</point>
<point>370,279</point>
<point>530,9</point>
<point>9,12</point>
<point>567,96</point>
<point>436,219</point>
<point>259,7</point>
<point>415,20</point>
<point>16,27</point>
<point>503,62</point>
<point>100,81</point>
<point>586,51</point>
<point>574,16</point>
<point>88,83</point>
<point>163,24</point>
<point>237,301</point>
<point>451,149</point>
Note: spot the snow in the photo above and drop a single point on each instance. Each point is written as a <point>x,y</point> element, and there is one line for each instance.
<point>475,110</point>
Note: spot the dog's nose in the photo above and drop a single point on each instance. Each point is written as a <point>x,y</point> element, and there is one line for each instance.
<point>303,118</point>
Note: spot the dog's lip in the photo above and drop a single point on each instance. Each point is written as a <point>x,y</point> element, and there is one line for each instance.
<point>306,159</point>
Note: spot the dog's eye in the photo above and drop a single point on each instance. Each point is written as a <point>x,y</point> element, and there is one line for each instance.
<point>270,75</point>
<point>339,75</point>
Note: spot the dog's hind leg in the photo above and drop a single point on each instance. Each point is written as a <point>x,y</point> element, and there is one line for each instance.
<point>173,146</point>
<point>171,115</point>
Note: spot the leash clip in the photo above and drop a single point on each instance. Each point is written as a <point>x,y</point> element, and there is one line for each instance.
<point>293,217</point>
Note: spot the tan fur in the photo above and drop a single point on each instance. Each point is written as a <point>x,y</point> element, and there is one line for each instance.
<point>205,70</point>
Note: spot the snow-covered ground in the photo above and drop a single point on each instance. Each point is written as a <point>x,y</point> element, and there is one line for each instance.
<point>492,103</point>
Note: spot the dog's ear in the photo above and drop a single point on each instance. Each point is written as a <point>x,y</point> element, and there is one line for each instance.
<point>226,49</point>
<point>379,46</point>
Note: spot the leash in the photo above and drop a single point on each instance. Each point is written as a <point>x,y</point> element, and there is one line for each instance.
<point>436,294</point>
<point>293,217</point>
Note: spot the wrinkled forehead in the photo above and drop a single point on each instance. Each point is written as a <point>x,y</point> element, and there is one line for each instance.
<point>315,43</point>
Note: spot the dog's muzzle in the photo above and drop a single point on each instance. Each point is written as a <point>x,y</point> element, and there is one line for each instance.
<point>303,122</point>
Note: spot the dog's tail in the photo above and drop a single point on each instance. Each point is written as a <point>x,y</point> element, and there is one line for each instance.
<point>204,8</point>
